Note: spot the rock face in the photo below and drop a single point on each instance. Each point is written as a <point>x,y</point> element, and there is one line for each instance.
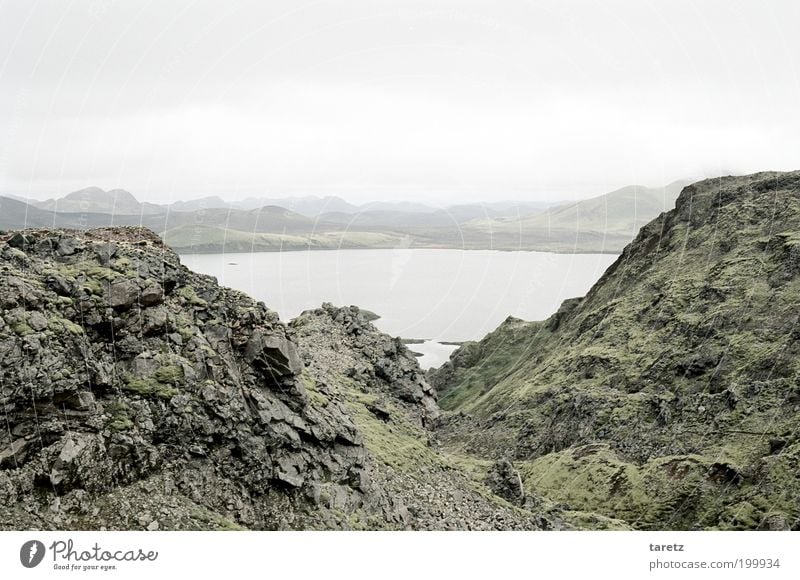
<point>136,394</point>
<point>668,397</point>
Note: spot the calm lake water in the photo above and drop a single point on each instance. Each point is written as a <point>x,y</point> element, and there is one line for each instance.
<point>435,295</point>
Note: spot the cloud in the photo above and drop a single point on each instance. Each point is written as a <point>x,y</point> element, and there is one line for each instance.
<point>395,100</point>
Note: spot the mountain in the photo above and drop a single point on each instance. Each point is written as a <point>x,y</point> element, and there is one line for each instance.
<point>397,206</point>
<point>137,394</point>
<point>96,200</point>
<point>310,206</point>
<point>210,202</point>
<point>606,222</point>
<point>668,396</point>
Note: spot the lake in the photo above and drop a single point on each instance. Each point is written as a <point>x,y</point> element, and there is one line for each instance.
<point>435,295</point>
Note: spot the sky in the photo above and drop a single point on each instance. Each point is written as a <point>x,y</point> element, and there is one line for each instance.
<point>441,101</point>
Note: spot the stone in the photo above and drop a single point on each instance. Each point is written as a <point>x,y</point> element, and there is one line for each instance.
<point>59,285</point>
<point>16,453</point>
<point>19,241</point>
<point>151,295</point>
<point>122,294</point>
<point>37,321</point>
<point>273,354</point>
<point>67,246</point>
<point>105,252</point>
<point>70,452</point>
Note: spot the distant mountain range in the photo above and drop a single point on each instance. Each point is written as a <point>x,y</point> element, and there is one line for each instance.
<point>211,224</point>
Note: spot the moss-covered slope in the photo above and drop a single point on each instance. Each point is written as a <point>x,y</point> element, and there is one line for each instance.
<point>668,396</point>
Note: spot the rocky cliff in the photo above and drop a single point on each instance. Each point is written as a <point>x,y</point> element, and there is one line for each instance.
<point>668,397</point>
<point>137,394</point>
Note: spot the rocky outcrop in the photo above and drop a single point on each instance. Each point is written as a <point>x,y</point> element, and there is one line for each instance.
<point>379,381</point>
<point>136,394</point>
<point>355,349</point>
<point>119,366</point>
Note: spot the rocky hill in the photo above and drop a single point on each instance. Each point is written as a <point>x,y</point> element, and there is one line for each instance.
<point>136,394</point>
<point>669,396</point>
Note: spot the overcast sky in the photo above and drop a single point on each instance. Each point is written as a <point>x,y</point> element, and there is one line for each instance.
<point>425,100</point>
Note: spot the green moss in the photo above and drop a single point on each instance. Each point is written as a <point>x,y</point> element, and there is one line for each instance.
<point>149,387</point>
<point>475,468</point>
<point>396,443</point>
<point>589,479</point>
<point>62,325</point>
<point>161,384</point>
<point>22,329</point>
<point>121,265</point>
<point>214,521</point>
<point>169,375</point>
<point>318,398</point>
<point>93,287</point>
<point>120,420</point>
<point>188,294</point>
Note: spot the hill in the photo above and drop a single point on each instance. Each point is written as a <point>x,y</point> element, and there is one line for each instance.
<point>604,223</point>
<point>668,396</point>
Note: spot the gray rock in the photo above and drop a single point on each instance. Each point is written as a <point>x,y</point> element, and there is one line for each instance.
<point>37,320</point>
<point>67,246</point>
<point>122,294</point>
<point>274,354</point>
<point>152,294</point>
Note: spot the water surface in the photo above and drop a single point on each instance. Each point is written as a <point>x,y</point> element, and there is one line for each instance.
<point>435,295</point>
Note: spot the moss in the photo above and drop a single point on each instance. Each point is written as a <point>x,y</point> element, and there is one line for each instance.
<point>169,375</point>
<point>149,387</point>
<point>120,420</point>
<point>62,325</point>
<point>396,443</point>
<point>590,478</point>
<point>592,521</point>
<point>474,467</point>
<point>317,398</point>
<point>22,329</point>
<point>185,328</point>
<point>161,384</point>
<point>122,265</point>
<point>188,294</point>
<point>214,521</point>
<point>93,287</point>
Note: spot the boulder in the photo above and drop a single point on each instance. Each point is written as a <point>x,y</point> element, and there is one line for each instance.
<point>122,294</point>
<point>274,354</point>
<point>67,246</point>
<point>152,294</point>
